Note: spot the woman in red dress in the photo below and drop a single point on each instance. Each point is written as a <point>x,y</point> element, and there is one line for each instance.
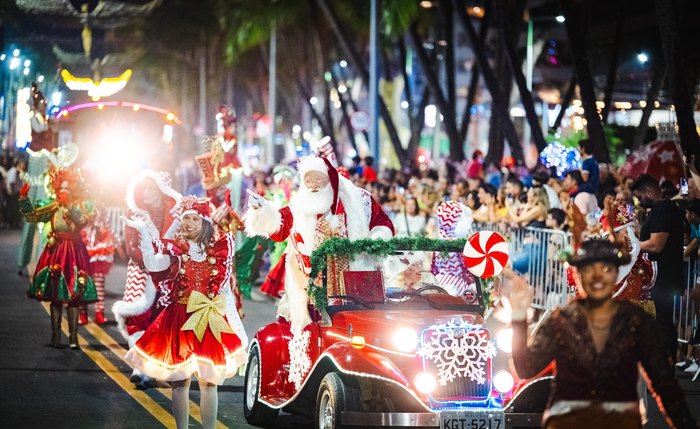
<point>199,332</point>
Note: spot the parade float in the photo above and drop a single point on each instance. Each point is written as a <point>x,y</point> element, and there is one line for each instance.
<point>389,347</point>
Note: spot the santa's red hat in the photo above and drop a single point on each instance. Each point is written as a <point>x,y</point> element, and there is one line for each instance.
<point>322,165</point>
<point>191,204</point>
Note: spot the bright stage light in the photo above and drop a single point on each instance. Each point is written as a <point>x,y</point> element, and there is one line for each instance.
<point>56,98</point>
<point>642,57</point>
<point>560,18</point>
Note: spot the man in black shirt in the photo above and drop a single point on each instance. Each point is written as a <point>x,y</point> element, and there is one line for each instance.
<point>661,237</point>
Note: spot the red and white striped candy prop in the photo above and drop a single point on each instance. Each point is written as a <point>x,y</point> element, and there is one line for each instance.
<point>485,254</point>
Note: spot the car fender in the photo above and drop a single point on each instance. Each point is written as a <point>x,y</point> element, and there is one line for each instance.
<point>272,341</point>
<point>363,362</point>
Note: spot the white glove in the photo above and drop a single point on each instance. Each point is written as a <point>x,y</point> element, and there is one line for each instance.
<point>136,222</point>
<point>520,297</point>
<point>255,201</point>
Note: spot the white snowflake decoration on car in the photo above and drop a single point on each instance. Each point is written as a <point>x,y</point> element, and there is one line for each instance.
<point>458,349</point>
<point>299,362</point>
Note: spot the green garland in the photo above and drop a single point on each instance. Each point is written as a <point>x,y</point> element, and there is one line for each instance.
<point>346,247</point>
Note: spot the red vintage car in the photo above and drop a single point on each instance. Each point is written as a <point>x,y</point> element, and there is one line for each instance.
<point>403,341</point>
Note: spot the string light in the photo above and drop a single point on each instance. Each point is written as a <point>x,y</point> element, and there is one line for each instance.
<point>561,157</point>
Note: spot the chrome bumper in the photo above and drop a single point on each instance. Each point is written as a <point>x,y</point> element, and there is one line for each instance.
<point>356,418</point>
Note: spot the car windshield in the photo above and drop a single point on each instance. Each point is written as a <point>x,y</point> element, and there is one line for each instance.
<point>438,279</point>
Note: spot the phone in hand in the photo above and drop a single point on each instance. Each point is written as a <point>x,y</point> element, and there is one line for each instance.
<point>684,186</point>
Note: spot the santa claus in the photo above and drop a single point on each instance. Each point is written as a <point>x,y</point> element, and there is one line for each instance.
<point>325,206</point>
<point>151,199</point>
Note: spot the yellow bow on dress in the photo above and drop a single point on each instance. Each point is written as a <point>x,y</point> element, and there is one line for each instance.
<point>207,312</point>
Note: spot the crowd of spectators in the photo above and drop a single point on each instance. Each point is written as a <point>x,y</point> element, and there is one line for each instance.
<point>10,183</point>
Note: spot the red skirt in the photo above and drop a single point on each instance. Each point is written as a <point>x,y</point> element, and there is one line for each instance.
<point>167,353</point>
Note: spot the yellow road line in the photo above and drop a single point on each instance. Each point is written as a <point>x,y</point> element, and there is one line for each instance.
<point>113,372</point>
<point>106,340</point>
<point>103,337</point>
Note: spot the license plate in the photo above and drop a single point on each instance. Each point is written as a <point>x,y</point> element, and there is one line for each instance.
<point>472,420</point>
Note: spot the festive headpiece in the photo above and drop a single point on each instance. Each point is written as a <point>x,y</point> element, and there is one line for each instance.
<point>71,176</point>
<point>281,172</point>
<point>598,250</point>
<point>191,204</point>
<point>454,219</point>
<point>622,216</point>
<point>317,163</point>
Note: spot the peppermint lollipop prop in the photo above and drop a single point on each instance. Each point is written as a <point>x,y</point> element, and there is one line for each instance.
<point>485,254</point>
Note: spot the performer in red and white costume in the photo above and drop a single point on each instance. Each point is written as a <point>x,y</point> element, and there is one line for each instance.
<point>150,198</point>
<point>325,206</point>
<point>635,279</point>
<point>199,331</point>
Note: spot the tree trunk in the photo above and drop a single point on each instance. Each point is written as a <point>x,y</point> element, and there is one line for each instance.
<point>565,102</point>
<point>474,81</point>
<point>456,143</point>
<point>575,13</point>
<point>348,49</point>
<point>670,19</point>
<point>326,129</point>
<point>641,132</point>
<point>434,84</point>
<point>612,68</point>
<point>509,39</point>
<point>500,102</point>
<point>346,116</point>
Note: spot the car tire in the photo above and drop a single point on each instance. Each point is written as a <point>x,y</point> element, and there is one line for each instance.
<point>334,396</point>
<point>256,413</point>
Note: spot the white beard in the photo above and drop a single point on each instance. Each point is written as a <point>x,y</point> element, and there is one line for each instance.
<point>306,206</point>
<point>307,202</point>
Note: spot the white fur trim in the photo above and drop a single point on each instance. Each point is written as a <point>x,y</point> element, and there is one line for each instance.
<point>153,175</point>
<point>464,225</point>
<point>234,320</point>
<point>624,270</point>
<point>354,203</point>
<point>263,221</point>
<point>122,309</point>
<point>381,232</point>
<point>295,283</point>
<point>195,212</point>
<point>311,163</point>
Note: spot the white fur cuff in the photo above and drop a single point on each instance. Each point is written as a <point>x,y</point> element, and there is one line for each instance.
<point>263,221</point>
<point>381,232</point>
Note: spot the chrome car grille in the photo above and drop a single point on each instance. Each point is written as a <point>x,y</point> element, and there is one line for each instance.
<point>461,387</point>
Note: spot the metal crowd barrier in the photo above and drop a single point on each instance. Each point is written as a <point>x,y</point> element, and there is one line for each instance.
<point>684,311</point>
<point>546,273</point>
<point>535,253</point>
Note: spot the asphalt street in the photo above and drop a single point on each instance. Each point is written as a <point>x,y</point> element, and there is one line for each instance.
<point>43,387</point>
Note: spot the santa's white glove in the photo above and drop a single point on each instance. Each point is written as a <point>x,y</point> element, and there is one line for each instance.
<point>255,201</point>
<point>520,297</point>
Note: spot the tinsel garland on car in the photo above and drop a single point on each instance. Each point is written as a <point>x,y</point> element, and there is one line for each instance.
<point>346,247</point>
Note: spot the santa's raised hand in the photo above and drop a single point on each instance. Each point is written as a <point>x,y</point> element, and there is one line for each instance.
<point>255,201</point>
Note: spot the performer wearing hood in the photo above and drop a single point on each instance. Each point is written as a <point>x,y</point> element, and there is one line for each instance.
<point>150,198</point>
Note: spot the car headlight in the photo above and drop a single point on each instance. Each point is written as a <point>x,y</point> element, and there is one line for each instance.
<point>425,382</point>
<point>504,340</point>
<point>503,381</point>
<point>405,340</point>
